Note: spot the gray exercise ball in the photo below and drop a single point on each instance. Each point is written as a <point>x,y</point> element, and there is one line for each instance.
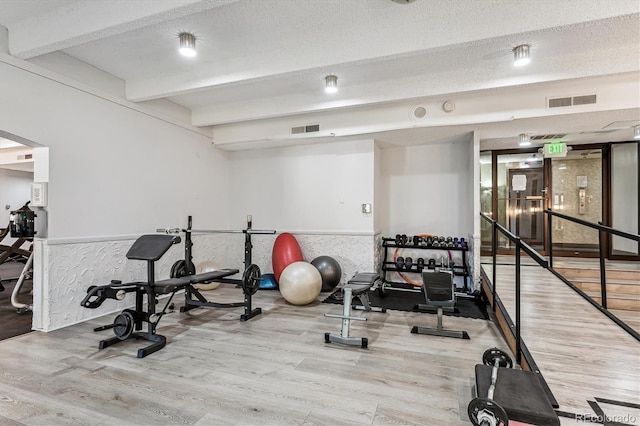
<point>330,271</point>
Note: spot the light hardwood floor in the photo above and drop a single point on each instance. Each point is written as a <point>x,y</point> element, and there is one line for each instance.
<point>581,353</point>
<point>272,370</point>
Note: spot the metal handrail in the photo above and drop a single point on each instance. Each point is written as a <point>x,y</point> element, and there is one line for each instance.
<point>602,229</point>
<point>598,226</point>
<point>520,245</point>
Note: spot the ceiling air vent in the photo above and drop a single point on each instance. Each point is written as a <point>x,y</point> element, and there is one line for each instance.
<point>548,137</point>
<point>571,101</point>
<point>311,128</point>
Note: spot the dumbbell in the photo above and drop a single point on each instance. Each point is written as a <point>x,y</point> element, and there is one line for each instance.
<point>400,262</point>
<point>485,411</point>
<point>431,264</point>
<point>463,243</point>
<point>420,264</point>
<point>408,263</point>
<point>416,240</point>
<point>429,241</point>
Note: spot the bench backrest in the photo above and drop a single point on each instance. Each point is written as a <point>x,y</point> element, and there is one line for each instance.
<point>152,247</point>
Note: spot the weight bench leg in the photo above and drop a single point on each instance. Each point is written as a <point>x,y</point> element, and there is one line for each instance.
<point>440,331</point>
<point>366,304</point>
<point>344,338</point>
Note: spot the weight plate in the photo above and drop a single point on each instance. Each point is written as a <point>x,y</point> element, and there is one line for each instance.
<point>251,279</point>
<point>179,269</point>
<point>480,409</point>
<point>491,355</point>
<point>123,325</point>
<point>175,267</point>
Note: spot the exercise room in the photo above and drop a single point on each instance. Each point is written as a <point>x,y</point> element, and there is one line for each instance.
<point>283,212</point>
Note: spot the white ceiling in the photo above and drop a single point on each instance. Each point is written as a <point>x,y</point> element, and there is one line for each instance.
<point>267,59</point>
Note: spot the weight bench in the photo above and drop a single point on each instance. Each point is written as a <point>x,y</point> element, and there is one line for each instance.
<point>439,291</point>
<point>149,248</point>
<point>356,287</point>
<point>519,393</point>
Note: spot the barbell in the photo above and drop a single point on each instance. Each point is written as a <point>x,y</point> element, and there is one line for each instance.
<point>485,411</point>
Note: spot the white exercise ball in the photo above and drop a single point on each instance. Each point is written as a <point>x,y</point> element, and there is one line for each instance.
<point>207,266</point>
<point>300,283</point>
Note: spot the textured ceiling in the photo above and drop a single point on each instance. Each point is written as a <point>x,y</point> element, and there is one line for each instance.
<point>266,59</point>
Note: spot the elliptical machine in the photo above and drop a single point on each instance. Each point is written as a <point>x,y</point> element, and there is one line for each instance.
<point>21,224</point>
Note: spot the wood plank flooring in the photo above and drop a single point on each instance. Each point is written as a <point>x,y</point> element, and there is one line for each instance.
<point>272,370</point>
<point>581,353</point>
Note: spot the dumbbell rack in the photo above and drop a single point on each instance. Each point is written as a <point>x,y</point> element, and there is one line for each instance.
<point>390,266</point>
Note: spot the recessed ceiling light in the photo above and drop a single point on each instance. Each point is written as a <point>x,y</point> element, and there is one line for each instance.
<point>187,44</point>
<point>521,55</point>
<point>331,84</point>
<point>524,139</point>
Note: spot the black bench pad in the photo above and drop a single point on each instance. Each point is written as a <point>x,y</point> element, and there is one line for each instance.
<point>173,284</point>
<point>520,393</point>
<point>362,282</point>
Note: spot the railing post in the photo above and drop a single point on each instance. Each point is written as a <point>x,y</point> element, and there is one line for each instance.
<point>603,272</point>
<point>518,337</point>
<point>550,239</point>
<point>494,252</point>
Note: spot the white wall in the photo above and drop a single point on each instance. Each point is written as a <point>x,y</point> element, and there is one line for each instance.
<point>15,190</point>
<point>624,194</point>
<point>115,171</point>
<point>430,188</point>
<point>306,188</point>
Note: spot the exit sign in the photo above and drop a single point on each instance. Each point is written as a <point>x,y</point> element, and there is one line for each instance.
<point>557,149</point>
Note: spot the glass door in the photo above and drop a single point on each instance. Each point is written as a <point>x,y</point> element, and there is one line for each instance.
<point>521,198</point>
<point>577,192</point>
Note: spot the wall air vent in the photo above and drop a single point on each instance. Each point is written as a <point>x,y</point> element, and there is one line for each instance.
<point>584,100</point>
<point>311,128</point>
<point>548,137</point>
<point>571,101</point>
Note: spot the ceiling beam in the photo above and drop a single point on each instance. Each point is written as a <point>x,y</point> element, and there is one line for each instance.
<point>86,21</point>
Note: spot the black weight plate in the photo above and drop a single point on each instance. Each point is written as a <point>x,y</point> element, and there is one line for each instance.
<point>477,405</point>
<point>175,267</point>
<point>491,355</point>
<point>251,279</point>
<point>123,325</point>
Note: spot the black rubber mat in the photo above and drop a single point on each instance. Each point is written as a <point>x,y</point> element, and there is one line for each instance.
<point>409,301</point>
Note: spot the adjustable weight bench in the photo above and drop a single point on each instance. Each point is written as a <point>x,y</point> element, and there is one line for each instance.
<point>149,248</point>
<point>356,287</point>
<point>439,291</point>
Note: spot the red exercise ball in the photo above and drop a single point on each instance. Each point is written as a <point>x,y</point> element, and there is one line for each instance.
<point>286,250</point>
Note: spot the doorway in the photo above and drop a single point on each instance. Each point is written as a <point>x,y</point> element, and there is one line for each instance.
<point>520,197</point>
<point>597,183</point>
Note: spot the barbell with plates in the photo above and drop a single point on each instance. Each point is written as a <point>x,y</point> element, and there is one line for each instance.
<point>485,411</point>
<point>250,278</point>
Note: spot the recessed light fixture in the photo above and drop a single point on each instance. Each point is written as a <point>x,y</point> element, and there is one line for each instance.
<point>521,55</point>
<point>331,84</point>
<point>524,139</point>
<point>636,131</point>
<point>187,44</point>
